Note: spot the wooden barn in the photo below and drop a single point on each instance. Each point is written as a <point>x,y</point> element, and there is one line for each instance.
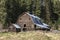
<point>26,22</point>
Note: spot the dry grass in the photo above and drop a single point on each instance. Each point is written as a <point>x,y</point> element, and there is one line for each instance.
<point>31,35</point>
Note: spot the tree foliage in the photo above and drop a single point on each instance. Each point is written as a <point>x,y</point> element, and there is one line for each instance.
<point>45,9</point>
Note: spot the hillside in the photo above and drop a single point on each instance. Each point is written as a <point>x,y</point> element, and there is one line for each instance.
<point>32,35</point>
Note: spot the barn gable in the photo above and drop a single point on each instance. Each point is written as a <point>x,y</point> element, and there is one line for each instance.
<point>25,21</point>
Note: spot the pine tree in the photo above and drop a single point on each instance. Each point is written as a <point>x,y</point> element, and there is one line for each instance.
<point>13,10</point>
<point>42,9</point>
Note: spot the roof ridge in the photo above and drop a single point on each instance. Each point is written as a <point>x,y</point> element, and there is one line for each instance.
<point>32,15</point>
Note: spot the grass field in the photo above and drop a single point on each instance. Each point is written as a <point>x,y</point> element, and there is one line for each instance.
<point>30,35</point>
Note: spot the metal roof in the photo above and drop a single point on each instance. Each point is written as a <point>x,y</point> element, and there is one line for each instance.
<point>36,20</point>
<point>42,26</point>
<point>33,15</point>
<point>16,25</point>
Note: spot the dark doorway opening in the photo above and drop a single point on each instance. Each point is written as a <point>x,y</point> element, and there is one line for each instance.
<point>18,29</point>
<point>35,27</point>
<point>24,28</point>
<point>24,25</point>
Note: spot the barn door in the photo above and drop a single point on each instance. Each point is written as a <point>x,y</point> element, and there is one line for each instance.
<point>35,27</point>
<point>24,28</point>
